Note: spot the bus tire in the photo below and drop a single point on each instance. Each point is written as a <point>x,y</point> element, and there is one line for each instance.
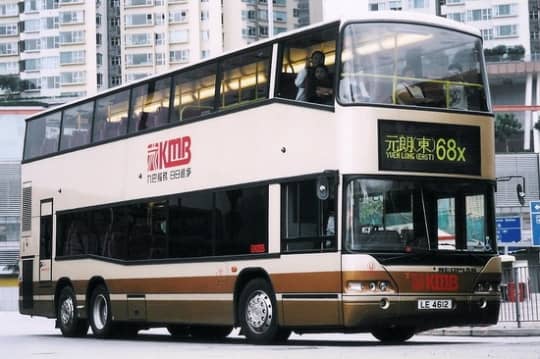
<point>68,316</point>
<point>258,312</point>
<point>178,330</point>
<point>210,331</point>
<point>100,313</point>
<point>394,334</point>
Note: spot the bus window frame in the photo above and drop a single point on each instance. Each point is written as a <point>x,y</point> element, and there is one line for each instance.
<point>279,64</point>
<point>339,50</point>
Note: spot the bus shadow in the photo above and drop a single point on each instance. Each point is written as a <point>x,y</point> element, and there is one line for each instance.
<point>300,343</point>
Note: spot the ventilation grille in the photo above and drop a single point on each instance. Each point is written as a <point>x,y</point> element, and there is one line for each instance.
<point>27,209</point>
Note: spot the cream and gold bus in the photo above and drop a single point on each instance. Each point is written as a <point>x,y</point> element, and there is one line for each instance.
<point>338,178</point>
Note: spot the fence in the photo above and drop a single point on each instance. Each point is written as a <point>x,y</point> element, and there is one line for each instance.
<point>520,294</point>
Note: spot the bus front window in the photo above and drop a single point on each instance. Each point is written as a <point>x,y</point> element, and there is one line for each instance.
<point>412,65</point>
<point>385,215</point>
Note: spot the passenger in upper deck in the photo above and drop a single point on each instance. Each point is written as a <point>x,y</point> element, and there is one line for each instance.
<point>307,75</point>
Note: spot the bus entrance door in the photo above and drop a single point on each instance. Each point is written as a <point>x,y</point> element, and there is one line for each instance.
<point>45,240</point>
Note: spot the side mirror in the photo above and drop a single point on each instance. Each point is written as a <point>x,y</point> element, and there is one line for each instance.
<point>323,189</point>
<point>520,194</point>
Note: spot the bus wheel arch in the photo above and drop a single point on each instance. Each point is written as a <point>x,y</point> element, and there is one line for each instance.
<point>67,313</point>
<point>258,312</point>
<point>244,277</point>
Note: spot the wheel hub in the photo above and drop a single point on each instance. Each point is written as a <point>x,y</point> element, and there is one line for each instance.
<point>259,312</point>
<point>100,311</point>
<point>67,311</point>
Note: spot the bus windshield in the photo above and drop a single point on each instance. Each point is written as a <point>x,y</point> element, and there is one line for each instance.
<point>412,65</point>
<point>387,215</point>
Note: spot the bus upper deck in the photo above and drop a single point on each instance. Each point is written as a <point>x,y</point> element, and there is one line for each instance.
<point>382,62</point>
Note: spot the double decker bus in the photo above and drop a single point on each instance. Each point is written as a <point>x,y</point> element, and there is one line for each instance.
<point>339,178</point>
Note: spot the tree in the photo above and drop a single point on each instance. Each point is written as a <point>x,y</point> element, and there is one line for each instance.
<point>13,84</point>
<point>506,126</point>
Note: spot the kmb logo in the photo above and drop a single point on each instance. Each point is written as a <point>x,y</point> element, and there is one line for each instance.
<point>170,153</point>
<point>434,282</point>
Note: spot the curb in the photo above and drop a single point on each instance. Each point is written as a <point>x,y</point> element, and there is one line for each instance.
<point>485,332</point>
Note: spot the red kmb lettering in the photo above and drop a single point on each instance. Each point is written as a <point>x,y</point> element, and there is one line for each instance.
<point>434,282</point>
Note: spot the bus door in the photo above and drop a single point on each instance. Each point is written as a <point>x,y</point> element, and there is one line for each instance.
<point>45,240</point>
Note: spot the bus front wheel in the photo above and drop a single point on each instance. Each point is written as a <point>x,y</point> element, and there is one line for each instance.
<point>67,315</point>
<point>258,312</point>
<point>100,313</point>
<point>394,334</point>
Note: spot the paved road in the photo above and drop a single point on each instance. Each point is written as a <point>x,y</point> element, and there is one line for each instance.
<point>25,337</point>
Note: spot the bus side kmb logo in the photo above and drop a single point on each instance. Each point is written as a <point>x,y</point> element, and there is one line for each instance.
<point>161,156</point>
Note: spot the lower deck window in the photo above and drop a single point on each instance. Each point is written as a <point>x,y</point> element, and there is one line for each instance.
<point>210,223</point>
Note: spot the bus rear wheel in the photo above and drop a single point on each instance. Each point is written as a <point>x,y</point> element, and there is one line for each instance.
<point>394,334</point>
<point>258,312</point>
<point>67,315</point>
<point>100,313</point>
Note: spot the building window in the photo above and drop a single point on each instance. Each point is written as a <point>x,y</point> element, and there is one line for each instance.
<point>205,54</point>
<point>72,57</point>
<point>70,78</point>
<point>9,9</point>
<point>178,36</point>
<point>72,37</point>
<point>116,80</point>
<point>33,25</point>
<point>205,35</point>
<point>418,4</point>
<point>479,15</point>
<point>31,45</point>
<point>280,16</point>
<point>31,65</point>
<point>49,23</point>
<point>506,31</point>
<point>159,38</point>
<point>9,68</point>
<point>99,59</point>
<point>115,41</point>
<point>160,58</point>
<point>456,16</point>
<point>115,60</point>
<point>72,17</point>
<point>12,48</point>
<point>176,17</point>
<point>487,34</point>
<point>115,21</point>
<point>139,39</point>
<point>143,59</point>
<point>179,56</point>
<point>205,15</point>
<point>99,39</point>
<point>31,6</point>
<point>505,10</point>
<point>139,19</point>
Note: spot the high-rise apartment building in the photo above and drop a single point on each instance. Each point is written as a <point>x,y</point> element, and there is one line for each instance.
<point>62,46</point>
<point>73,48</point>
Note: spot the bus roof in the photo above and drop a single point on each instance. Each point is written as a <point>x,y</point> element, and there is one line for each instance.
<point>383,16</point>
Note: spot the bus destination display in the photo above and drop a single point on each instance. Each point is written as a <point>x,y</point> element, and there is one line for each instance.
<point>427,147</point>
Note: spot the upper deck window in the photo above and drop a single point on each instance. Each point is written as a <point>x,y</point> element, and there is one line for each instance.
<point>245,78</point>
<point>194,92</point>
<point>111,116</point>
<point>42,135</point>
<point>308,67</point>
<point>412,65</point>
<point>76,125</point>
<point>150,105</point>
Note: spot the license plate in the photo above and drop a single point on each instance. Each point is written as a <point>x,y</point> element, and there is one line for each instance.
<point>435,304</point>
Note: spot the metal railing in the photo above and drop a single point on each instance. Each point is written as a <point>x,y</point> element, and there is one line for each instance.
<point>520,295</point>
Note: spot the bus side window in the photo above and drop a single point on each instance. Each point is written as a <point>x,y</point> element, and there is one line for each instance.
<point>308,68</point>
<point>308,223</point>
<point>110,119</point>
<point>245,78</point>
<point>194,93</point>
<point>150,105</point>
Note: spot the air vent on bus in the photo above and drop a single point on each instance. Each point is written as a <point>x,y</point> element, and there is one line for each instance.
<point>27,209</point>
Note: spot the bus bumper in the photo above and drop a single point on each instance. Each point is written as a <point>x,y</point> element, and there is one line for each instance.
<point>367,312</point>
